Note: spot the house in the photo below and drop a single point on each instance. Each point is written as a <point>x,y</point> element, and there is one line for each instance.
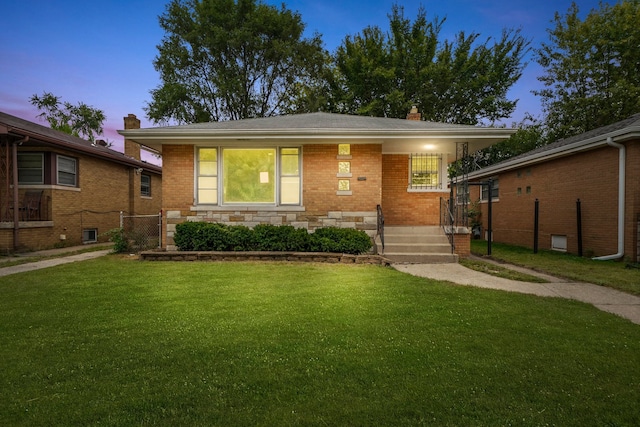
<point>309,170</point>
<point>59,190</point>
<point>586,188</point>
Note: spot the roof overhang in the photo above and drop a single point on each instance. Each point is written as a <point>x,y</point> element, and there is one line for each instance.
<point>621,135</point>
<point>392,140</point>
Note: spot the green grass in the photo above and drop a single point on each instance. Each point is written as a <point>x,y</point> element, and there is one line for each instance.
<point>118,342</point>
<point>498,271</point>
<point>613,274</point>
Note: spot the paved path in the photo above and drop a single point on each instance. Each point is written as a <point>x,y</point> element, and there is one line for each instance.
<point>606,299</point>
<point>5,271</point>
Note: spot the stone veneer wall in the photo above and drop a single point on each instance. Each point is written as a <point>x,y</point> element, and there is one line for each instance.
<point>366,221</point>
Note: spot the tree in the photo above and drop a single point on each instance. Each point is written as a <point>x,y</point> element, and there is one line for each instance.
<point>230,59</point>
<point>78,120</point>
<point>531,134</point>
<point>462,81</point>
<point>591,66</point>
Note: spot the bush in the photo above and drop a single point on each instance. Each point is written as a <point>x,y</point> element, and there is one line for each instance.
<point>205,236</point>
<point>343,240</point>
<point>119,239</point>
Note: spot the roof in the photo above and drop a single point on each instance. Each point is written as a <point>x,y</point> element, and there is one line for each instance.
<point>621,131</point>
<point>311,127</point>
<point>11,125</point>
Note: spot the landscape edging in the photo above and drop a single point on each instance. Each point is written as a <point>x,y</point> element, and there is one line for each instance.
<point>327,257</point>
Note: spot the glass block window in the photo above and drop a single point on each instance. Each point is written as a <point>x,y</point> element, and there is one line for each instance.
<point>344,185</point>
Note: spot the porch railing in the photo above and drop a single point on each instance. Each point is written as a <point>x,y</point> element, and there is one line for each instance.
<point>380,226</point>
<point>447,222</point>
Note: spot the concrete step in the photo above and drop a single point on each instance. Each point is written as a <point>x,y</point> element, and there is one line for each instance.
<point>416,245</point>
<point>426,248</point>
<point>420,258</point>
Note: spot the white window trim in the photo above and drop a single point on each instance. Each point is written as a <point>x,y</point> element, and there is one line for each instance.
<point>221,205</point>
<point>150,192</point>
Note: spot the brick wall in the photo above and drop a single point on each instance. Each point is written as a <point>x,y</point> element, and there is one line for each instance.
<point>401,207</point>
<point>103,191</point>
<point>322,205</point>
<point>591,177</point>
<point>320,181</point>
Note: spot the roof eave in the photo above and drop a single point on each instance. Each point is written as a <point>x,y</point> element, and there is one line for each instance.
<point>565,150</point>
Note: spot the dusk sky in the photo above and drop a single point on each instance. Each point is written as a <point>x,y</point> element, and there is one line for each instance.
<point>101,53</point>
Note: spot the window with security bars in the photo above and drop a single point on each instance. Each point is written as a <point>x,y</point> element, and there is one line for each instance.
<point>424,173</point>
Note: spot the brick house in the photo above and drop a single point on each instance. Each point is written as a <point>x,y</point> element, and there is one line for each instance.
<point>599,168</point>
<point>69,191</point>
<point>309,170</point>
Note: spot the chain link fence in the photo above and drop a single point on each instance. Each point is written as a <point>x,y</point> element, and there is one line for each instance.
<point>141,231</point>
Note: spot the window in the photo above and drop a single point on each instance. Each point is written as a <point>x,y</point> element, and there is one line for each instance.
<point>145,185</point>
<point>462,193</point>
<point>425,171</point>
<point>90,235</point>
<point>248,176</point>
<point>559,243</point>
<point>67,171</point>
<point>207,181</point>
<point>484,194</point>
<point>344,185</point>
<point>344,149</point>
<point>344,167</point>
<point>290,176</point>
<point>30,168</point>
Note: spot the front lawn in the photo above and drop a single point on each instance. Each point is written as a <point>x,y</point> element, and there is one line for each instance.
<point>118,342</point>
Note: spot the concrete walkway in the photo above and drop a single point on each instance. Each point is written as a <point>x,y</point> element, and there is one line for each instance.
<point>603,298</point>
<point>60,255</point>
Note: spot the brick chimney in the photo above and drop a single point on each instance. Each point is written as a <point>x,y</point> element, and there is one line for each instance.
<point>131,149</point>
<point>413,114</point>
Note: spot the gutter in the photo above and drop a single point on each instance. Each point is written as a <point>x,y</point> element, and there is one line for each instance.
<point>621,200</point>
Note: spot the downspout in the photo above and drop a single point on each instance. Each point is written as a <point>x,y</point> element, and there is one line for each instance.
<point>621,202</point>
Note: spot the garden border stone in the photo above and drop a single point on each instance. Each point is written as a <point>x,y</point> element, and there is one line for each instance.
<point>326,257</point>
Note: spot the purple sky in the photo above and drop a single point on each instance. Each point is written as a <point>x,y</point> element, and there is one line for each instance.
<point>101,52</point>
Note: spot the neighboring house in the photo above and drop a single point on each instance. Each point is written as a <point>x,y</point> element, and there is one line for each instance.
<point>59,190</point>
<point>600,168</point>
<point>309,170</point>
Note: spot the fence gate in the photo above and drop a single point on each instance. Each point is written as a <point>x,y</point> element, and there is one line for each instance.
<point>142,231</point>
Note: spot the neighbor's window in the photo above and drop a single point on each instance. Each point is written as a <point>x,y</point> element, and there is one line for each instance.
<point>462,193</point>
<point>559,242</point>
<point>207,180</point>
<point>30,168</point>
<point>67,174</point>
<point>145,185</point>
<point>89,235</point>
<point>484,194</point>
<point>344,185</point>
<point>344,149</point>
<point>424,171</point>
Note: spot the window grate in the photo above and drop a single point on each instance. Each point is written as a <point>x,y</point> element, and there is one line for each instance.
<point>425,171</point>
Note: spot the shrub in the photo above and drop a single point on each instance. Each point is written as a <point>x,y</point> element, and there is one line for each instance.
<point>119,239</point>
<point>205,236</point>
<point>344,240</point>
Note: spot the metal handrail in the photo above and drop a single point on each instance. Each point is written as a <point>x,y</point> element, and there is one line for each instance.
<point>380,226</point>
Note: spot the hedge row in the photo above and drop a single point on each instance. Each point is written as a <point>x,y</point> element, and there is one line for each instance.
<point>209,236</point>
